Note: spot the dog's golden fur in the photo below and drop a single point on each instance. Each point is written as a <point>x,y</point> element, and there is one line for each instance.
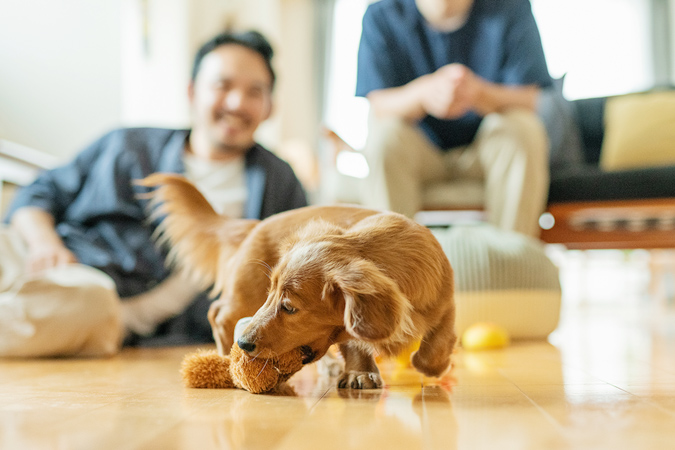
<point>369,281</point>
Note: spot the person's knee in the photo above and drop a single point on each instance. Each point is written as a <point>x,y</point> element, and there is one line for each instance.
<point>54,315</point>
<point>522,127</point>
<point>529,127</point>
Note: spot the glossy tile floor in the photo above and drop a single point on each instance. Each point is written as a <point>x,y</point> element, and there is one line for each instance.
<point>604,380</point>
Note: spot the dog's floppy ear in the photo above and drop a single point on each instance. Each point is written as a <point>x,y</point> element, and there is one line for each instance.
<point>375,308</point>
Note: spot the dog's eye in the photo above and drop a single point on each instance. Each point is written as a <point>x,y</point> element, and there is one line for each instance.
<point>287,308</point>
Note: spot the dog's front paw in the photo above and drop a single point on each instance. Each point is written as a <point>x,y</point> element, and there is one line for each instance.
<point>360,380</point>
<point>431,367</point>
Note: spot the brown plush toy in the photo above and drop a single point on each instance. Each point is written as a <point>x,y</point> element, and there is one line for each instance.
<point>208,369</point>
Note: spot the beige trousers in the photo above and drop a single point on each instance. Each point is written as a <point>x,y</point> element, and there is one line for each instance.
<point>74,310</point>
<point>71,310</point>
<point>509,154</point>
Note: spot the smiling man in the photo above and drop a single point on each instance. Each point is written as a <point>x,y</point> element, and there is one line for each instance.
<point>79,258</point>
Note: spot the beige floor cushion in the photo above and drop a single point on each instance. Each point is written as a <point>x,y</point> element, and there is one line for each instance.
<point>502,277</point>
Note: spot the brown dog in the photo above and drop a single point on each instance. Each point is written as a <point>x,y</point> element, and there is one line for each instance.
<point>316,276</point>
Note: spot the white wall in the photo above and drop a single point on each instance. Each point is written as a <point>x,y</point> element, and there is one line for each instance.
<point>59,72</point>
<point>156,57</point>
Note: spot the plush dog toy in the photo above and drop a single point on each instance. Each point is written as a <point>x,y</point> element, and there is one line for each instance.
<point>208,369</point>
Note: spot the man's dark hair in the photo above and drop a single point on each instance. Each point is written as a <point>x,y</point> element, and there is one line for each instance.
<point>249,39</point>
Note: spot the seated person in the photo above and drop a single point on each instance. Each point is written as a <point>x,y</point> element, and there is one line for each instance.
<point>453,87</point>
<point>89,212</point>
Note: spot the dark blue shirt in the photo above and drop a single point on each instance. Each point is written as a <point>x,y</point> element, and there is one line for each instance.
<point>102,221</point>
<point>499,42</point>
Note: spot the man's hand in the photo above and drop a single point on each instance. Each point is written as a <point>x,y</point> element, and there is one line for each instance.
<point>49,255</point>
<point>45,247</point>
<point>451,91</point>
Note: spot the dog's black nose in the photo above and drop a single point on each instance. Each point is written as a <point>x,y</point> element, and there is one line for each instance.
<point>245,346</point>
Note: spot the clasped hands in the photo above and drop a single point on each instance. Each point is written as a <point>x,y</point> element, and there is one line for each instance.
<point>450,92</point>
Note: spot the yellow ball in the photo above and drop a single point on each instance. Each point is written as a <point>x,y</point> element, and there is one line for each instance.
<point>485,336</point>
<point>403,358</point>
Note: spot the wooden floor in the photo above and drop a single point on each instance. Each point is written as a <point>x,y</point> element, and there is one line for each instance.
<point>606,381</point>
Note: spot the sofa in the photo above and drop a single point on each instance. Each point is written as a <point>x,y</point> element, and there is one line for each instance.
<point>19,165</point>
<point>621,193</point>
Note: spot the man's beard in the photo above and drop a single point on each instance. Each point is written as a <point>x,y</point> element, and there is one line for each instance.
<point>227,145</point>
<point>230,148</point>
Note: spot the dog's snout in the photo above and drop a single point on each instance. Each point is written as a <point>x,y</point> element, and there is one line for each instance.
<point>245,345</point>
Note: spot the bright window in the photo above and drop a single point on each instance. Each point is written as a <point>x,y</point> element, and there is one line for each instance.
<point>345,113</point>
<point>604,46</point>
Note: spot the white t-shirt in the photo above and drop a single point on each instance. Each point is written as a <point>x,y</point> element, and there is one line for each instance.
<point>223,183</point>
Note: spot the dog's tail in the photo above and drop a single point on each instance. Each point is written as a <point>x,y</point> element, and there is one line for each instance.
<point>201,240</point>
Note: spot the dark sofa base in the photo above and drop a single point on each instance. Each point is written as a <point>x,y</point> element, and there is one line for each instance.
<point>589,183</point>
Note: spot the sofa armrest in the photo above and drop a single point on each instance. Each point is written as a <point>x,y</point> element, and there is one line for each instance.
<point>19,165</point>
